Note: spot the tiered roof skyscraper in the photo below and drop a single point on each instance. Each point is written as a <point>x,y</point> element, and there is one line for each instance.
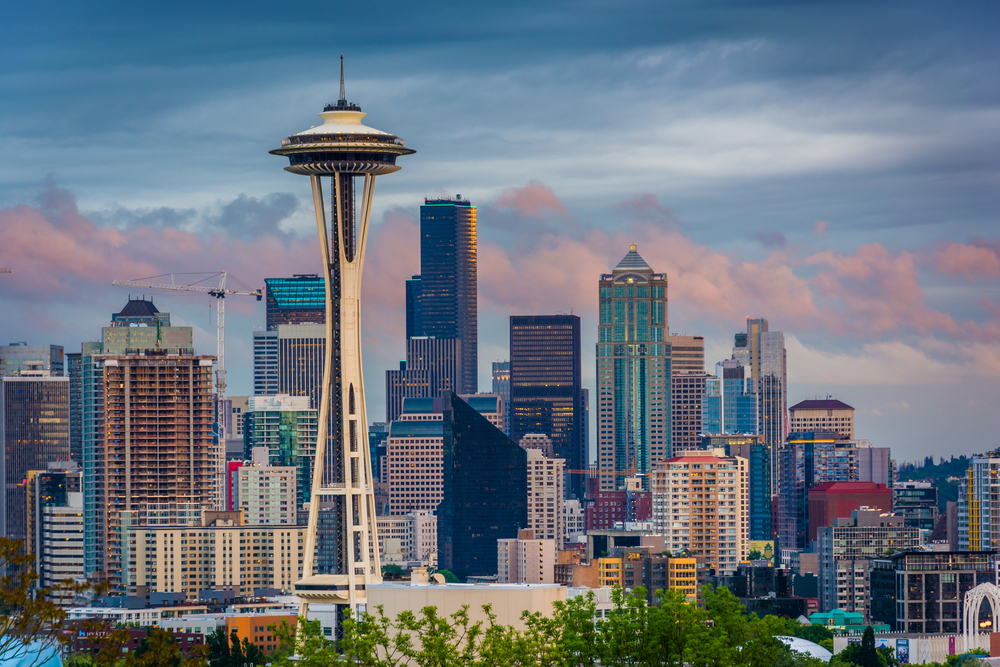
<point>633,371</point>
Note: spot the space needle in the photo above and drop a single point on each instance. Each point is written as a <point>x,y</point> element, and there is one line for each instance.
<point>343,149</point>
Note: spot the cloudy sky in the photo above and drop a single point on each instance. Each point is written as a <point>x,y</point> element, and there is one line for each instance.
<point>831,166</point>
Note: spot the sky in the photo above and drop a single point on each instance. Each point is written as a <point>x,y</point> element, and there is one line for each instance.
<point>830,166</point>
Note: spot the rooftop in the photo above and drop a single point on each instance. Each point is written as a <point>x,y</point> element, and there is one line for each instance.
<point>632,261</point>
<point>821,404</point>
<point>138,308</point>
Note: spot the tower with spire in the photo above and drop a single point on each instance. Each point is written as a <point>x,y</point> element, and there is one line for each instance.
<point>342,150</point>
<point>633,372</point>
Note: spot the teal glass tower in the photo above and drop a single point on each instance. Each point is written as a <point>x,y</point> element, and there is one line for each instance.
<point>633,372</point>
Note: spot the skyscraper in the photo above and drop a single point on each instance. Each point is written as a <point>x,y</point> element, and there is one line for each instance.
<point>448,279</point>
<point>297,300</point>
<point>730,405</point>
<point>286,427</point>
<point>687,391</point>
<point>501,385</point>
<point>414,324</point>
<point>484,487</point>
<point>827,414</point>
<point>432,365</point>
<point>265,363</point>
<point>14,356</point>
<point>55,526</point>
<point>633,371</point>
<point>148,420</point>
<point>34,431</point>
<point>545,386</point>
<point>762,354</point>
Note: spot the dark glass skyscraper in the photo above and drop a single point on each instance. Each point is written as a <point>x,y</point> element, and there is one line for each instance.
<point>485,490</point>
<point>296,300</point>
<point>545,386</point>
<point>448,279</point>
<point>414,325</point>
<point>34,431</point>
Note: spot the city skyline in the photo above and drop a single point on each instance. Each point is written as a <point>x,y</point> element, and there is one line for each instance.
<point>865,234</point>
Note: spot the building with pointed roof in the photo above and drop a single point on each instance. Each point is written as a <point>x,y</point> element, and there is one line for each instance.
<point>633,372</point>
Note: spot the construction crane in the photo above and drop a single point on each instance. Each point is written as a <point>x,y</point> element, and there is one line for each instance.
<point>219,292</point>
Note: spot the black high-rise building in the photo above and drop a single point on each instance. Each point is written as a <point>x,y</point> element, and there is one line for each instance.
<point>414,325</point>
<point>485,490</point>
<point>546,387</point>
<point>448,300</point>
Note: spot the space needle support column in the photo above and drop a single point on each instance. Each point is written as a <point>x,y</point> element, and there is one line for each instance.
<point>324,406</point>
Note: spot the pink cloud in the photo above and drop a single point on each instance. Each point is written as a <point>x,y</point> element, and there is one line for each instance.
<point>534,200</point>
<point>393,255</point>
<point>977,260</point>
<point>821,226</point>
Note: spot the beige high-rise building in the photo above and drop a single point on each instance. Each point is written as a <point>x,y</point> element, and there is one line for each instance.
<point>687,355</point>
<point>687,391</point>
<point>216,552</point>
<point>537,441</point>
<point>700,502</point>
<point>526,560</point>
<point>546,496</point>
<point>822,415</point>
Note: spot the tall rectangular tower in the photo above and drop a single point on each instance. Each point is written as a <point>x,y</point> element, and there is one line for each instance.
<point>448,279</point>
<point>34,431</point>
<point>432,365</point>
<point>633,372</point>
<point>501,385</point>
<point>762,353</point>
<point>545,386</point>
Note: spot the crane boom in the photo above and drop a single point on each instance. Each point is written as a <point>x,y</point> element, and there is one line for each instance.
<point>219,292</point>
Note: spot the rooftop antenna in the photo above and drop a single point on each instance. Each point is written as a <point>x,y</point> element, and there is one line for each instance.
<point>343,92</point>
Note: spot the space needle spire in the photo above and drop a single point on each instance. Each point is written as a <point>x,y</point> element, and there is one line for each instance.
<point>340,151</point>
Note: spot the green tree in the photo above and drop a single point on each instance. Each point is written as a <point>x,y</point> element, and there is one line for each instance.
<point>157,649</point>
<point>868,656</point>
<point>230,651</point>
<point>27,613</point>
<point>392,571</point>
<point>449,576</point>
<point>579,636</point>
<point>755,554</point>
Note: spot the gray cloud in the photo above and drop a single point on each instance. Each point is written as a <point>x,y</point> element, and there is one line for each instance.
<point>770,238</point>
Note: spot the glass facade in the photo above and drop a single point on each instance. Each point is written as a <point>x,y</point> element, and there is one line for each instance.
<point>633,372</point>
<point>979,504</point>
<point>414,325</point>
<point>448,280</point>
<point>289,436</point>
<point>545,386</point>
<point>485,490</point>
<point>34,430</point>
<point>762,354</point>
<point>501,385</point>
<point>13,357</point>
<point>297,300</point>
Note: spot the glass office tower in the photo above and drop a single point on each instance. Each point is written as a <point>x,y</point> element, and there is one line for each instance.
<point>296,300</point>
<point>633,372</point>
<point>34,431</point>
<point>485,490</point>
<point>545,387</point>
<point>448,279</point>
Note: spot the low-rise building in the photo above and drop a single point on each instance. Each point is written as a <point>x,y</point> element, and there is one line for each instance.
<point>218,552</point>
<point>526,560</point>
<point>845,549</point>
<point>267,493</point>
<point>408,539</point>
<point>924,591</point>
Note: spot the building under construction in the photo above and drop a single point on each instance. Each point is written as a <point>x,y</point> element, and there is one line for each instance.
<point>154,444</point>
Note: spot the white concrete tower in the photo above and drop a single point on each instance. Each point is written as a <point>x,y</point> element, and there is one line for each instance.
<point>343,149</point>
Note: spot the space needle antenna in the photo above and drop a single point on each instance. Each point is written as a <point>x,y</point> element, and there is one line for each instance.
<point>343,91</point>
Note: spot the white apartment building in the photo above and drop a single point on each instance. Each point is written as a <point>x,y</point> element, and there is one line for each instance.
<point>700,502</point>
<point>408,539</point>
<point>267,493</point>
<point>525,560</point>
<point>546,496</point>
<point>574,520</point>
